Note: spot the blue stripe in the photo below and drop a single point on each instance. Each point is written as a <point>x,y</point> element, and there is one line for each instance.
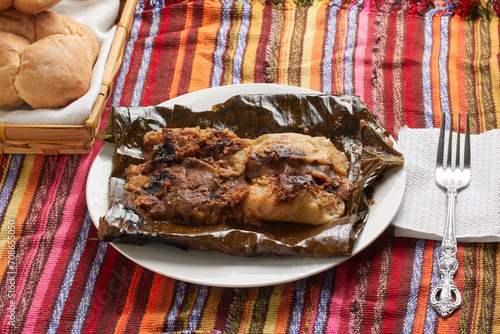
<point>442,65</point>
<point>300,293</point>
<point>240,44</point>
<point>10,181</point>
<point>89,289</point>
<point>179,297</point>
<point>70,275</point>
<point>146,57</point>
<point>329,43</point>
<point>324,299</point>
<point>431,316</point>
<point>127,55</point>
<point>198,305</point>
<point>349,51</point>
<point>414,288</point>
<point>221,42</point>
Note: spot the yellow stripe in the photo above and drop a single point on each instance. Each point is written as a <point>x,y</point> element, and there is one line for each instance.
<point>14,205</point>
<point>254,32</point>
<point>272,312</point>
<point>496,324</point>
<point>308,48</point>
<point>210,314</point>
<point>477,66</point>
<point>233,42</point>
<point>494,66</point>
<point>338,56</point>
<point>285,43</point>
<point>476,319</point>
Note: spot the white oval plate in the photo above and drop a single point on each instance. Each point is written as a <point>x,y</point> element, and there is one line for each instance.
<point>216,269</point>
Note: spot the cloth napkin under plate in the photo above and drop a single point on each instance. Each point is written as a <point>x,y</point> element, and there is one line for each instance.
<point>423,210</point>
<point>99,16</point>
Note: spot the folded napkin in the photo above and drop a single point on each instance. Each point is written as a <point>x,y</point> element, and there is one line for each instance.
<point>99,16</point>
<point>424,207</point>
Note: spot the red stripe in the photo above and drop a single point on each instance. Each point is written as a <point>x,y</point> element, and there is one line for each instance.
<point>189,53</point>
<point>372,279</point>
<point>153,82</point>
<point>388,93</point>
<point>413,77</point>
<point>260,61</point>
<point>135,64</point>
<point>141,301</point>
<point>394,283</point>
<point>348,297</point>
<point>78,286</point>
<point>104,296</point>
<point>368,59</point>
<point>172,25</point>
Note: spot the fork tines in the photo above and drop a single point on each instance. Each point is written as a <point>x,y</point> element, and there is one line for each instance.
<point>440,152</point>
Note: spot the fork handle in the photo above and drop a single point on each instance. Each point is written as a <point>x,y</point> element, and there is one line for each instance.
<point>445,297</point>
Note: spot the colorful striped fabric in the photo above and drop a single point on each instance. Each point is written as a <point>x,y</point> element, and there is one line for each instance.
<point>409,60</point>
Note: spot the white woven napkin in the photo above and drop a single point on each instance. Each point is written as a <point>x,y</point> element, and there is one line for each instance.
<point>423,210</point>
<point>99,16</point>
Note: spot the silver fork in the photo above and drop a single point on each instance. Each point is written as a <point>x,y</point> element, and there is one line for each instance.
<point>445,297</point>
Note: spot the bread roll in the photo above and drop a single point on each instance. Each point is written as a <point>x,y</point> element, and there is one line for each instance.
<point>54,72</point>
<point>4,4</point>
<point>34,6</point>
<point>50,23</point>
<point>13,21</point>
<point>11,47</point>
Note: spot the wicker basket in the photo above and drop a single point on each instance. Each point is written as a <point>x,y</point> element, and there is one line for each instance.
<point>71,139</point>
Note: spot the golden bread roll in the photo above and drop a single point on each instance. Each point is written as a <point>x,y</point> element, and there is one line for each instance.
<point>54,72</point>
<point>13,21</point>
<point>34,6</point>
<point>4,4</point>
<point>11,47</point>
<point>49,23</point>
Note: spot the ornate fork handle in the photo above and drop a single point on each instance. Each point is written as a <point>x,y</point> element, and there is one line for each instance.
<point>445,297</point>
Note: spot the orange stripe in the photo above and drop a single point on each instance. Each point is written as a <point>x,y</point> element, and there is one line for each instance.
<point>182,50</point>
<point>130,302</point>
<point>205,46</point>
<point>423,297</point>
<point>160,298</point>
<point>285,303</point>
<point>436,101</point>
<point>317,56</point>
<point>246,314</point>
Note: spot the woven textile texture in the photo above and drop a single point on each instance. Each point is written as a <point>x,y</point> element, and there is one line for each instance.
<point>408,60</point>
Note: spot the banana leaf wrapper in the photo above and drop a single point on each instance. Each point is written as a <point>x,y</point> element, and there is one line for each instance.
<point>345,120</point>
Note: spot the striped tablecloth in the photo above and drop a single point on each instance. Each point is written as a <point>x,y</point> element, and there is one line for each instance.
<point>408,60</point>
